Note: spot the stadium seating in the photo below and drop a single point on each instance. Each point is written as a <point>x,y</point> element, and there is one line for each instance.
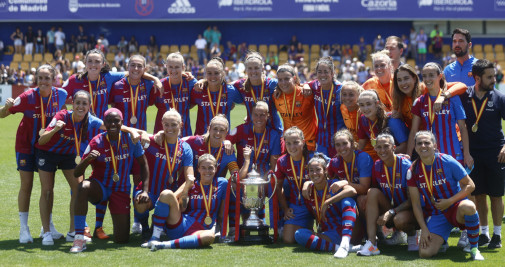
<point>48,57</point>
<point>17,58</point>
<point>37,57</point>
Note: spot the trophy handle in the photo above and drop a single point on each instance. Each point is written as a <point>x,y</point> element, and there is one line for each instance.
<point>271,173</point>
<point>234,175</point>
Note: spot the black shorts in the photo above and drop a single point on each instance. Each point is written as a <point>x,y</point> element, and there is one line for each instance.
<point>488,174</point>
<point>50,161</point>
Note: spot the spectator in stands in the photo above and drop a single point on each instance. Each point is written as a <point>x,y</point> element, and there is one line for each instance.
<point>302,69</point>
<point>216,37</point>
<point>363,74</point>
<point>153,45</point>
<point>437,42</point>
<point>230,52</point>
<point>421,40</point>
<point>29,77</point>
<point>105,42</point>
<point>395,47</point>
<point>336,53</point>
<point>59,39</point>
<point>499,75</point>
<point>50,40</point>
<point>71,46</point>
<point>29,36</point>
<point>292,53</point>
<point>233,74</point>
<point>119,59</point>
<point>406,45</point>
<point>436,32</point>
<point>362,53</point>
<point>300,52</point>
<point>99,45</point>
<point>2,47</point>
<point>82,40</point>
<point>3,73</point>
<point>325,51</point>
<point>201,45</point>
<point>346,52</point>
<point>122,44</point>
<point>294,41</point>
<point>40,42</point>
<point>133,46</point>
<point>77,65</point>
<point>413,44</point>
<point>215,51</point>
<point>242,50</point>
<point>378,43</point>
<point>272,60</point>
<point>207,34</point>
<point>17,37</point>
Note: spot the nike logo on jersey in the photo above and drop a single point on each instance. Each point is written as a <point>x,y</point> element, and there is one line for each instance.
<point>107,150</point>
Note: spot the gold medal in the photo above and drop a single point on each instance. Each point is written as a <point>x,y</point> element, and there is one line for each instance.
<point>432,199</point>
<point>475,128</point>
<point>77,159</point>
<point>392,203</point>
<point>373,141</point>
<point>171,180</point>
<point>42,131</point>
<point>133,119</point>
<point>115,177</point>
<point>208,220</point>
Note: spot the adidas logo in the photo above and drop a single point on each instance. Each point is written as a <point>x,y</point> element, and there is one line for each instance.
<point>181,7</point>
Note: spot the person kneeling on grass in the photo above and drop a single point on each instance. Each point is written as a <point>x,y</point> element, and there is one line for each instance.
<point>335,214</point>
<point>444,184</point>
<point>188,215</point>
<point>388,204</point>
<point>111,155</point>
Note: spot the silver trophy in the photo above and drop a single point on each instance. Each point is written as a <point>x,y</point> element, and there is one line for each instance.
<point>254,196</point>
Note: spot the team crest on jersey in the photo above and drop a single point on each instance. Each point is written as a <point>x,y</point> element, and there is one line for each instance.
<point>184,90</point>
<point>142,87</point>
<point>42,162</point>
<point>469,74</point>
<point>55,104</point>
<point>124,146</point>
<point>398,175</point>
<point>298,104</point>
<point>22,162</point>
<point>439,171</point>
<point>490,104</point>
<point>144,7</point>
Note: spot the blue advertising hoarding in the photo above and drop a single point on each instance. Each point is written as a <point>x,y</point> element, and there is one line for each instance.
<point>191,10</point>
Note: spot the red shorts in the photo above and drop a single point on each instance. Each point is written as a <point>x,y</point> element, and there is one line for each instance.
<point>450,215</point>
<point>119,203</point>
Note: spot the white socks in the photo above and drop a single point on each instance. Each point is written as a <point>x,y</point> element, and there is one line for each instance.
<point>23,219</point>
<point>484,229</point>
<point>497,230</point>
<point>345,241</point>
<point>157,231</point>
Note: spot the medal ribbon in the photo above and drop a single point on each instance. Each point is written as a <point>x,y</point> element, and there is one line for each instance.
<point>42,113</point>
<point>77,140</point>
<point>257,149</point>
<point>431,113</point>
<point>172,95</point>
<point>393,184</point>
<point>292,105</point>
<point>350,177</point>
<point>218,153</point>
<point>214,112</point>
<point>207,202</point>
<point>171,161</point>
<point>319,208</point>
<point>262,90</point>
<point>329,101</point>
<point>429,183</point>
<point>481,110</point>
<point>371,126</point>
<point>90,88</point>
<point>114,159</point>
<point>298,182</point>
<point>134,100</point>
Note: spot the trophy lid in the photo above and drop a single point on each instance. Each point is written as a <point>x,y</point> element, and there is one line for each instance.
<point>253,177</point>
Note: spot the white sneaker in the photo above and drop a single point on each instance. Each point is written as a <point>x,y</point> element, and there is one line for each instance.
<point>413,242</point>
<point>47,239</point>
<point>25,236</point>
<point>463,240</point>
<point>70,237</point>
<point>356,248</point>
<point>136,228</point>
<point>149,243</point>
<point>342,252</point>
<point>476,256</point>
<point>56,235</point>
<point>397,238</point>
<point>156,245</point>
<point>79,244</point>
<point>368,250</point>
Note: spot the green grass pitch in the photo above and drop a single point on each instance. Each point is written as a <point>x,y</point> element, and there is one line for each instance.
<point>107,253</point>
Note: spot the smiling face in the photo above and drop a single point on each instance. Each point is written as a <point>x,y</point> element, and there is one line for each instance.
<point>259,116</point>
<point>406,82</point>
<point>343,146</point>
<point>286,81</point>
<point>175,67</point>
<point>81,104</point>
<point>113,123</point>
<point>213,74</point>
<point>136,68</point>
<point>368,106</point>
<point>218,130</point>
<point>382,68</point>
<point>94,63</point>
<point>207,170</point>
<point>349,97</point>
<point>45,79</point>
<point>254,69</point>
<point>431,78</point>
<point>317,172</point>
<point>324,74</point>
<point>385,149</point>
<point>424,146</point>
<point>294,145</point>
<point>171,126</point>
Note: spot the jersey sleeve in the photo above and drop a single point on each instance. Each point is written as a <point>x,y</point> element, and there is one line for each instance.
<point>112,77</point>
<point>69,85</point>
<point>400,131</point>
<point>60,116</point>
<point>94,122</point>
<point>410,180</point>
<point>278,170</point>
<point>137,149</point>
<point>457,107</point>
<point>457,170</point>
<point>406,163</point>
<point>272,84</point>
<point>339,117</point>
<point>187,156</point>
<point>416,108</point>
<point>365,164</point>
<point>331,168</point>
<point>20,104</point>
<point>234,137</point>
<point>191,85</point>
<point>234,95</point>
<point>361,129</point>
<point>276,143</point>
<point>62,97</point>
<point>456,88</point>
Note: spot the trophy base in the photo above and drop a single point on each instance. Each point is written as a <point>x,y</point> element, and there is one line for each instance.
<point>255,234</point>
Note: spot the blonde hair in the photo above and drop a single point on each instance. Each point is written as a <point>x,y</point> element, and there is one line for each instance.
<point>172,112</point>
<point>216,118</point>
<point>352,85</point>
<point>252,55</point>
<point>205,157</point>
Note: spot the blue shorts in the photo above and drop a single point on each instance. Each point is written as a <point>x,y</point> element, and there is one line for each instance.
<point>153,197</point>
<point>187,225</point>
<point>302,217</point>
<point>50,161</point>
<point>333,235</point>
<point>26,162</point>
<point>119,202</point>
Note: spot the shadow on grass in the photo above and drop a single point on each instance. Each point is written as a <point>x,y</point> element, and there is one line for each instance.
<point>453,254</point>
